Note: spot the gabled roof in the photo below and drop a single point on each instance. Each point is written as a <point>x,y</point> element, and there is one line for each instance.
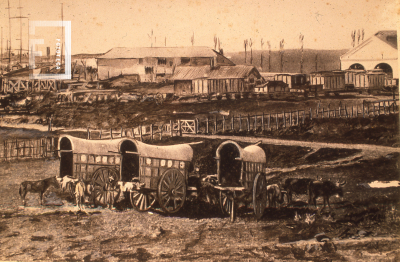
<point>388,36</point>
<point>142,52</point>
<point>191,72</point>
<point>238,71</point>
<point>222,72</point>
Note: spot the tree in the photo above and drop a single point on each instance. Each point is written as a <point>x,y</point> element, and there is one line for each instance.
<point>281,46</point>
<point>261,63</point>
<point>251,51</point>
<point>245,50</point>
<point>301,38</point>
<point>269,56</point>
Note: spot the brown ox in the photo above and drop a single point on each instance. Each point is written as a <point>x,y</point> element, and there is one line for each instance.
<point>274,195</point>
<point>326,189</point>
<point>297,186</point>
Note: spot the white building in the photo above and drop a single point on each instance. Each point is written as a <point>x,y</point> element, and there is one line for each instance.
<point>376,52</point>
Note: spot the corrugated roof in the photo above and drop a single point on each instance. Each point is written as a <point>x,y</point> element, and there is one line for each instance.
<point>238,71</point>
<point>222,72</point>
<point>191,72</point>
<point>142,52</point>
<point>388,36</point>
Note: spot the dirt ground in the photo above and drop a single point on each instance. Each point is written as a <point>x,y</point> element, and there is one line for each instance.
<point>362,226</point>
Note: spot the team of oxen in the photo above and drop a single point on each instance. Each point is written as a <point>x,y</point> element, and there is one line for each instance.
<point>275,194</point>
<point>312,188</point>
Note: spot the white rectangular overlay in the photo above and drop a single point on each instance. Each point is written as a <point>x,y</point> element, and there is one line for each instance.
<point>67,48</point>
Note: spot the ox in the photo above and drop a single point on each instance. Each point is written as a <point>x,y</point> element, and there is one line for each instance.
<point>297,186</point>
<point>37,187</point>
<point>274,195</point>
<point>326,189</point>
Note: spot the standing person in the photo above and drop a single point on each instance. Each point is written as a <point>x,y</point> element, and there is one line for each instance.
<point>110,187</point>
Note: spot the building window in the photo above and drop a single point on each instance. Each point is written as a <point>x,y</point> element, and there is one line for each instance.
<point>170,63</point>
<point>162,61</point>
<point>185,60</point>
<point>148,70</point>
<point>140,61</point>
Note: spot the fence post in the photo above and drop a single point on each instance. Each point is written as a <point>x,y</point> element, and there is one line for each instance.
<point>140,132</point>
<point>384,108</point>
<point>269,121</point>
<point>262,122</point>
<point>373,108</point>
<point>151,132</point>
<point>379,108</point>
<point>277,123</point>
<point>297,118</point>
<point>304,116</point>
<point>207,126</point>
<point>329,112</point>
<point>340,112</point>
<point>352,111</point>
<point>284,118</point>
<point>290,118</point>
<point>179,127</point>
<point>363,110</point>
<point>196,125</point>
<point>233,123</point>
<point>215,127</point>
<point>101,131</point>
<point>111,134</point>
<point>240,123</point>
<point>223,124</point>
<point>255,123</point>
<point>316,112</point>
<point>248,122</point>
<point>121,132</point>
<point>171,128</point>
<point>88,133</point>
<point>310,114</point>
<point>345,109</point>
<point>162,128</point>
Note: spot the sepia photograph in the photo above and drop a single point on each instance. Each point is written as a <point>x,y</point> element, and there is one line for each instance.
<point>188,130</point>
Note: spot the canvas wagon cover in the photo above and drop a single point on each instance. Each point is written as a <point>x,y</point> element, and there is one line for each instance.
<point>252,153</point>
<point>182,152</point>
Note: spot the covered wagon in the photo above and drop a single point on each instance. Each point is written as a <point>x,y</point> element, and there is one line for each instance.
<point>145,173</point>
<point>241,177</point>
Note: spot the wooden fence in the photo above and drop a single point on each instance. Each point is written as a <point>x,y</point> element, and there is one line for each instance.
<point>239,123</point>
<point>18,85</point>
<point>16,149</point>
<point>276,121</point>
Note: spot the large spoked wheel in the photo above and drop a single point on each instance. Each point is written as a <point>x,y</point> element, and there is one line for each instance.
<point>171,191</point>
<point>142,201</point>
<point>105,189</point>
<point>259,195</point>
<point>227,202</point>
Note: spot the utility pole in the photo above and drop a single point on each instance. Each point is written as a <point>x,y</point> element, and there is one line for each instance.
<point>1,50</point>
<point>20,32</point>
<point>62,32</point>
<point>9,27</point>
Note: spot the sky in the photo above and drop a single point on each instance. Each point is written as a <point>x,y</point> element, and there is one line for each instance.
<point>99,25</point>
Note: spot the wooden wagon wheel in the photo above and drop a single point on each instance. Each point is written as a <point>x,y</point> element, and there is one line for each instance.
<point>142,201</point>
<point>171,191</point>
<point>227,202</point>
<point>105,191</point>
<point>259,195</point>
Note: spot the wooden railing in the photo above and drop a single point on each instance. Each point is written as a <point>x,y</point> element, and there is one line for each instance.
<point>246,123</point>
